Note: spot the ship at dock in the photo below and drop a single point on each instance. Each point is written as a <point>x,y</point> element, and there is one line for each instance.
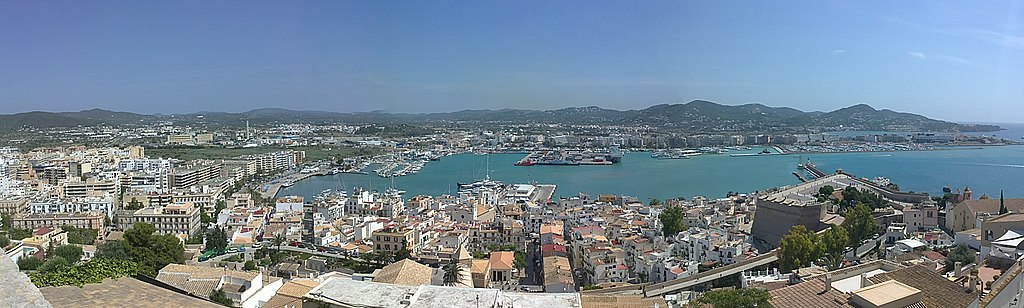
<point>572,157</point>
<point>675,154</point>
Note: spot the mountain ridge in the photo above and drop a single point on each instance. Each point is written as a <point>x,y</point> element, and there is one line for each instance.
<point>699,115</point>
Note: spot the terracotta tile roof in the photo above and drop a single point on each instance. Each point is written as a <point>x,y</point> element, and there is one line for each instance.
<point>479,266</point>
<point>808,294</point>
<point>933,255</point>
<point>992,205</point>
<point>198,280</point>
<point>938,291</point>
<point>620,301</point>
<point>502,260</point>
<point>297,288</point>
<point>405,272</point>
<point>43,231</point>
<point>207,272</point>
<point>123,292</point>
<point>281,301</point>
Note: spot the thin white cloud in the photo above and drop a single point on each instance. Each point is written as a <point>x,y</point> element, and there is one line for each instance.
<point>839,51</point>
<point>1005,39</point>
<point>941,58</point>
<point>999,38</point>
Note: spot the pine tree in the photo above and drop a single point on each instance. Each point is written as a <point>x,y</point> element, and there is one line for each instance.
<point>1002,206</point>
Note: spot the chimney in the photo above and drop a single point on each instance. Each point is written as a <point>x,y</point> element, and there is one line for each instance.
<point>958,269</point>
<point>828,283</point>
<point>864,280</point>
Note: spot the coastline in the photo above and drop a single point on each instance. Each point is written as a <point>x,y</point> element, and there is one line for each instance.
<point>711,176</point>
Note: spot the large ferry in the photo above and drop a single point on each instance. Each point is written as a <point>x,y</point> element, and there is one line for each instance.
<point>675,154</point>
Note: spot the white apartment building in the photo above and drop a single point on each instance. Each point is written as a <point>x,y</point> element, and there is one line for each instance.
<point>81,205</point>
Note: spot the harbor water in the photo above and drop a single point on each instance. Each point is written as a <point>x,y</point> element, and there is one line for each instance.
<point>986,170</point>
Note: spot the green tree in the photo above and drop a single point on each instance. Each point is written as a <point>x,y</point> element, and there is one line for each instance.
<point>195,239</point>
<point>29,263</point>
<point>93,271</point>
<point>4,241</point>
<point>961,253</point>
<point>826,191</point>
<point>220,297</point>
<point>249,266</point>
<point>798,248</point>
<point>80,236</point>
<point>655,202</point>
<point>18,234</point>
<point>859,223</point>
<point>6,220</point>
<point>114,250</point>
<point>216,239</point>
<point>832,246</point>
<point>71,253</point>
<point>672,221</point>
<point>55,263</point>
<point>402,254</point>
<point>520,260</point>
<point>736,298</point>
<point>204,216</point>
<point>151,251</point>
<point>452,274</point>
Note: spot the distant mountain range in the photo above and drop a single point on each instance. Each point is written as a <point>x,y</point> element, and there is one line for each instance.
<point>695,116</point>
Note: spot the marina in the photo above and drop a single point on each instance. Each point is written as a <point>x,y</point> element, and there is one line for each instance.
<point>711,175</point>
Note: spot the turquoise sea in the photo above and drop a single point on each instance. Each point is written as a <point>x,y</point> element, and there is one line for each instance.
<point>986,171</point>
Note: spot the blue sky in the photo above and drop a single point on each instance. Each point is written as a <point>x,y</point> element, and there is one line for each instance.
<point>950,60</point>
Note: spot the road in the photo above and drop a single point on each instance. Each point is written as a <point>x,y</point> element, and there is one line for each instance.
<point>317,253</point>
<point>531,275</point>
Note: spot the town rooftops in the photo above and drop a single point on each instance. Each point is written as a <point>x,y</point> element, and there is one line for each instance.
<point>992,205</point>
<point>552,247</point>
<point>1008,217</point>
<point>291,199</point>
<point>912,243</point>
<point>404,272</point>
<point>348,292</point>
<point>42,231</point>
<point>198,280</point>
<point>620,301</point>
<point>886,294</point>
<point>552,229</point>
<point>121,292</point>
<point>938,291</point>
<point>502,260</point>
<point>290,294</point>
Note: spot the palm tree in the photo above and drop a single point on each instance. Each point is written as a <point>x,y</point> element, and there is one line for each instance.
<point>278,241</point>
<point>452,274</point>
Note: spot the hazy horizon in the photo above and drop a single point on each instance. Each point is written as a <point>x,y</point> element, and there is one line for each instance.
<point>951,61</point>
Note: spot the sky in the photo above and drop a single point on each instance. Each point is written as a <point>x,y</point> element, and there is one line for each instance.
<point>956,60</point>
